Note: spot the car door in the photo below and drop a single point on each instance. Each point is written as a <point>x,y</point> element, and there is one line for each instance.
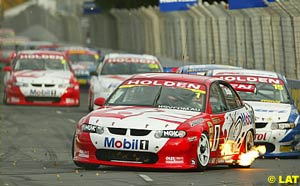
<point>228,117</point>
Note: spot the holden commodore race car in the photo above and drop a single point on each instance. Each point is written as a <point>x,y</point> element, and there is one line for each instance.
<point>83,61</point>
<point>276,116</point>
<point>114,69</point>
<point>40,78</point>
<point>165,120</point>
<point>202,69</point>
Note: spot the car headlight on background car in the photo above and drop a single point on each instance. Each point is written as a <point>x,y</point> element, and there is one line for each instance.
<point>170,134</point>
<point>282,126</point>
<point>92,128</point>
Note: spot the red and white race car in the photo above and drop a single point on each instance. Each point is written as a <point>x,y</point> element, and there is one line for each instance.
<point>164,120</point>
<point>114,69</point>
<point>40,78</point>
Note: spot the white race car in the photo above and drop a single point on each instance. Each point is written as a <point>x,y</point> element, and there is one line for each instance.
<point>276,116</point>
<point>114,69</point>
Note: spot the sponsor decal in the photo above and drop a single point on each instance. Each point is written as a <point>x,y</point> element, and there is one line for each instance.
<point>261,137</point>
<point>196,122</point>
<point>35,92</point>
<point>40,56</point>
<point>166,83</point>
<point>251,79</point>
<point>131,60</point>
<point>174,160</point>
<point>270,110</point>
<point>179,108</point>
<point>133,144</point>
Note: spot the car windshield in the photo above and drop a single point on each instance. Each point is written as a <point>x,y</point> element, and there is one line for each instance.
<point>82,58</point>
<point>160,97</point>
<point>41,64</point>
<point>129,68</point>
<point>267,92</point>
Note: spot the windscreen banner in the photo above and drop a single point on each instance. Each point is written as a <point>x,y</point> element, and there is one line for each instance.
<point>175,5</point>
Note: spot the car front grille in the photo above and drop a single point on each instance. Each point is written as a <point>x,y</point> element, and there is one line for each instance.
<point>126,156</point>
<point>41,85</point>
<point>133,132</point>
<point>260,125</point>
<point>42,99</point>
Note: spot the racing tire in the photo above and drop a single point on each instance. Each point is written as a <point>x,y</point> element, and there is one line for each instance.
<point>87,166</point>
<point>248,145</point>
<point>203,152</point>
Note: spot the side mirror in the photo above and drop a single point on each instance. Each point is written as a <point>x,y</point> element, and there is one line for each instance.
<point>99,101</point>
<point>7,68</point>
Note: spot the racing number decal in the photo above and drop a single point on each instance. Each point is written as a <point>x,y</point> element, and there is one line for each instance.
<point>216,138</point>
<point>144,145</point>
<point>278,87</point>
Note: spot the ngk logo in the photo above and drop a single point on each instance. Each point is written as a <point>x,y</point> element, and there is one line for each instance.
<point>133,144</point>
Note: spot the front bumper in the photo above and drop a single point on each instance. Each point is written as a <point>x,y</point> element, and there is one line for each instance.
<point>14,96</point>
<point>177,153</point>
<point>272,140</point>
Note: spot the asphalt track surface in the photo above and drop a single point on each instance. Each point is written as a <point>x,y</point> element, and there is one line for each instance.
<point>36,151</point>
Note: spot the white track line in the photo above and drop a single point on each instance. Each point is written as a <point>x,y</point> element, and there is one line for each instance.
<point>146,178</point>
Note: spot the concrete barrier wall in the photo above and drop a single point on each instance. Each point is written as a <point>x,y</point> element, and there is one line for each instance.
<point>258,38</point>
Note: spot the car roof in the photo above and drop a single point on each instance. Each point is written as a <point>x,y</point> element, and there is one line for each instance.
<point>176,77</point>
<point>243,72</point>
<point>48,52</point>
<point>129,55</point>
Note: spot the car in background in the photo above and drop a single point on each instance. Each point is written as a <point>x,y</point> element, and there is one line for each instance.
<point>40,78</point>
<point>114,69</point>
<point>170,69</point>
<point>202,69</point>
<point>276,116</point>
<point>7,33</point>
<point>83,61</point>
<point>166,120</point>
<point>9,46</point>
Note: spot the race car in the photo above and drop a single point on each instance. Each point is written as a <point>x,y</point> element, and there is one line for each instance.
<point>165,120</point>
<point>276,116</point>
<point>83,61</point>
<point>202,69</point>
<point>40,78</point>
<point>114,69</point>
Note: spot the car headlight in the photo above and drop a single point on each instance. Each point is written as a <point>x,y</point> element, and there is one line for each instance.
<point>20,84</point>
<point>170,134</point>
<point>282,126</point>
<point>92,128</point>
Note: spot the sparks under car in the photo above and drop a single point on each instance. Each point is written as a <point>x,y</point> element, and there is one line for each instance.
<point>114,69</point>
<point>166,121</point>
<point>276,116</point>
<point>40,78</point>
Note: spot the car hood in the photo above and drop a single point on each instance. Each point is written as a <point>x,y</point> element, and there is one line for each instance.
<point>270,112</point>
<point>43,76</point>
<point>139,118</point>
<point>112,81</point>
